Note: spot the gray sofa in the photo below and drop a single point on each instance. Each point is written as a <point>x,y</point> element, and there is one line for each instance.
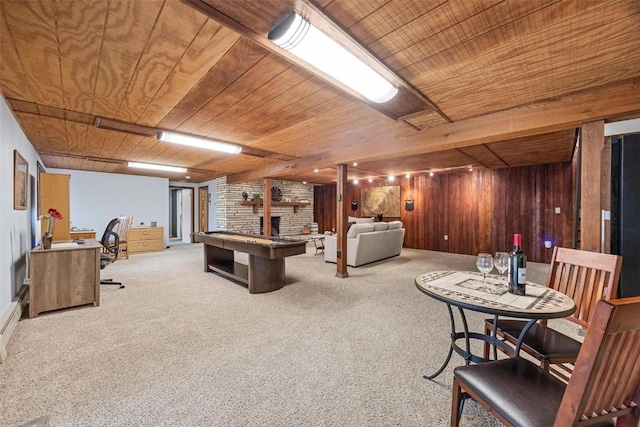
<point>367,242</point>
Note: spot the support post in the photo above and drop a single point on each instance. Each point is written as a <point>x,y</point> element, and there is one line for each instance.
<point>341,219</point>
<point>592,143</point>
<point>266,204</point>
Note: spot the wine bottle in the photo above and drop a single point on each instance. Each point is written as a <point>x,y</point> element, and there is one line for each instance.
<point>517,267</point>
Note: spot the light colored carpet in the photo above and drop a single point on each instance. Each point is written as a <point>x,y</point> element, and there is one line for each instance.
<point>180,347</point>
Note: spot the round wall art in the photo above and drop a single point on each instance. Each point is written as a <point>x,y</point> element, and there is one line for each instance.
<point>276,194</point>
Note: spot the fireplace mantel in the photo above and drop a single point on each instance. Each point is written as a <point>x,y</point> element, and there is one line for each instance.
<point>257,203</point>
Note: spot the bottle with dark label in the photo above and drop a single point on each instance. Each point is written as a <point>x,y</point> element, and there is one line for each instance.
<point>517,267</point>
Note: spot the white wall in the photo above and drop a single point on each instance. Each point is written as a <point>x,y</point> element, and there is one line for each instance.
<point>97,198</point>
<point>15,225</point>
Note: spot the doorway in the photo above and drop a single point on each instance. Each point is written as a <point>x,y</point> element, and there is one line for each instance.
<point>180,215</point>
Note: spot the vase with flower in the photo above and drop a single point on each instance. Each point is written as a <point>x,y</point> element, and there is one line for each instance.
<point>51,216</point>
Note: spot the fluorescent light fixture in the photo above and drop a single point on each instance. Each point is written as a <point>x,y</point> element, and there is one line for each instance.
<point>298,36</point>
<point>192,141</point>
<point>156,167</point>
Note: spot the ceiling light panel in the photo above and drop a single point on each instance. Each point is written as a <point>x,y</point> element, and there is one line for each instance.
<point>301,38</point>
<point>152,166</point>
<point>192,141</point>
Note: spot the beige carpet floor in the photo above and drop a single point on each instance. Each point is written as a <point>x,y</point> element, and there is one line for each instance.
<point>180,347</point>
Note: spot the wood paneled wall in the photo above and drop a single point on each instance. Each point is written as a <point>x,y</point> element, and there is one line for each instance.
<point>479,211</point>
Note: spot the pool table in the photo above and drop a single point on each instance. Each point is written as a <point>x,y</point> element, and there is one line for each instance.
<point>265,271</point>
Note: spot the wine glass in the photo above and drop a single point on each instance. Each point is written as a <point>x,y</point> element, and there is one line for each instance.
<point>501,261</point>
<point>484,264</point>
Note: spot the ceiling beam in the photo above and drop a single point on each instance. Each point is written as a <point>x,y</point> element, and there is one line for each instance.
<point>120,126</point>
<point>552,115</point>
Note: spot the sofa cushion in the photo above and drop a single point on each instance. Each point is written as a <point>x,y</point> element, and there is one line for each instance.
<point>395,225</point>
<point>359,220</point>
<point>359,228</point>
<point>380,226</point>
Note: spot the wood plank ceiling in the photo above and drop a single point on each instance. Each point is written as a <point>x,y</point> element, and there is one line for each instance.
<point>486,83</point>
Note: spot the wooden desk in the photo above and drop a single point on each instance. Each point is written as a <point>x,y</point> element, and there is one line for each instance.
<point>265,272</point>
<point>67,275</point>
<point>83,234</point>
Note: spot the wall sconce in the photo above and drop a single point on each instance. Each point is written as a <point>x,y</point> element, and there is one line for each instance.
<point>354,205</point>
<point>302,39</point>
<point>409,205</point>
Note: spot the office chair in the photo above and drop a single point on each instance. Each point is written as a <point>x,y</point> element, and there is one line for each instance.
<point>110,247</point>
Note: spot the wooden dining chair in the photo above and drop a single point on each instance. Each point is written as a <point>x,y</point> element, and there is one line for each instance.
<point>605,383</point>
<point>124,225</point>
<point>584,276</point>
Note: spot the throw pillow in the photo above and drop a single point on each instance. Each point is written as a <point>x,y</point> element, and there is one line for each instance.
<point>380,226</point>
<point>393,225</point>
<point>359,228</point>
<point>359,220</point>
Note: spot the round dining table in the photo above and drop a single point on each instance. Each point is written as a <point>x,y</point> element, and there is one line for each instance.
<point>467,290</point>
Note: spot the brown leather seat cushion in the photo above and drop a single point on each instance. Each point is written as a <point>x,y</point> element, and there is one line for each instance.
<point>517,390</point>
<point>547,342</point>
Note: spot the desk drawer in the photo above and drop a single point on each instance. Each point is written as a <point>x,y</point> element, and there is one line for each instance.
<point>147,239</point>
<point>83,235</point>
<point>144,246</point>
<point>154,233</point>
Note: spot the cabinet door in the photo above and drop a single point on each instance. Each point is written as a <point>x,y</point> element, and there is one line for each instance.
<point>54,193</point>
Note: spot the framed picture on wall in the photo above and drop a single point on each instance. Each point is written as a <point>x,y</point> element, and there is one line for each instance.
<point>381,200</point>
<point>20,181</point>
<point>40,170</point>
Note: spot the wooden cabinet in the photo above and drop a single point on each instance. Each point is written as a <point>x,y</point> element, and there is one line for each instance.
<point>83,234</point>
<point>54,193</point>
<point>145,239</point>
<point>67,275</point>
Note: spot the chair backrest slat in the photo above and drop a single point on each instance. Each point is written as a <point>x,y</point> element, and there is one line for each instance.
<point>586,277</point>
<point>123,227</point>
<point>625,380</point>
<point>606,378</point>
<point>573,274</point>
<point>557,272</point>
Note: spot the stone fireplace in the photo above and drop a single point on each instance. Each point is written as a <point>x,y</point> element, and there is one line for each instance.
<point>275,225</point>
<point>234,214</point>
